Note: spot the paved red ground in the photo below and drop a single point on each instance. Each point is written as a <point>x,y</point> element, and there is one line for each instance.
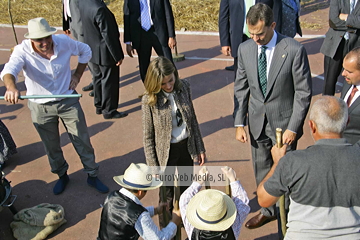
<point>117,143</point>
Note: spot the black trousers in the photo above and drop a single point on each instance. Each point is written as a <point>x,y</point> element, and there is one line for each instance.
<point>333,67</point>
<point>149,40</point>
<point>178,156</point>
<point>106,87</point>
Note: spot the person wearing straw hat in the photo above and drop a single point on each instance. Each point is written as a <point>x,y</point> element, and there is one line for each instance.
<point>211,214</point>
<point>45,61</point>
<point>124,217</point>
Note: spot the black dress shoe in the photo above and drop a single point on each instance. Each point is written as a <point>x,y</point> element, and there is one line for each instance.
<point>115,114</point>
<point>230,68</point>
<point>89,87</point>
<point>98,111</point>
<point>258,221</point>
<point>91,94</point>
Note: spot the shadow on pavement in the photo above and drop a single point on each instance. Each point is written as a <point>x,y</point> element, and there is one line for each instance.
<point>33,151</point>
<point>78,200</point>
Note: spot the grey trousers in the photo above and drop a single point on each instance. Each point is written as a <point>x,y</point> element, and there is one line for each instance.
<point>46,117</point>
<point>262,160</point>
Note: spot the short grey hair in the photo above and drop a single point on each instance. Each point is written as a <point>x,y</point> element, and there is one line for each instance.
<point>330,114</point>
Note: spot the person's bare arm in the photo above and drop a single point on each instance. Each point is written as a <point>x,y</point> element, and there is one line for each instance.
<point>264,198</point>
<point>12,94</point>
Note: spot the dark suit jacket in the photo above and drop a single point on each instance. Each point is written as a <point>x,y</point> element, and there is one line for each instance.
<point>338,27</point>
<point>352,131</point>
<point>161,15</point>
<point>276,6</point>
<point>65,23</point>
<point>74,23</point>
<point>101,32</point>
<point>288,93</point>
<point>231,24</point>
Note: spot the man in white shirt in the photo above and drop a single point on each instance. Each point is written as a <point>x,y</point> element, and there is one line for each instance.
<point>123,215</point>
<point>45,61</point>
<point>350,93</point>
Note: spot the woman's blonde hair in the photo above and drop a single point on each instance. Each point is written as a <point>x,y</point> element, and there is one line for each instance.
<point>159,68</point>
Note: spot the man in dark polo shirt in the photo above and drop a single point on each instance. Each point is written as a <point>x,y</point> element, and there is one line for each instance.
<point>322,180</point>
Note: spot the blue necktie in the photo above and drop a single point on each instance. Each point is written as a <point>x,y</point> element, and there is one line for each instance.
<point>145,17</point>
<point>262,70</point>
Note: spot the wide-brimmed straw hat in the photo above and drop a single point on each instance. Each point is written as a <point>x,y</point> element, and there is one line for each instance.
<point>39,28</point>
<point>138,176</point>
<point>211,210</point>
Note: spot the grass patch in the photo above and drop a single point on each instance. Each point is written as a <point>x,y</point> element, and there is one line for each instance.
<point>199,15</point>
<point>192,15</point>
<point>310,26</point>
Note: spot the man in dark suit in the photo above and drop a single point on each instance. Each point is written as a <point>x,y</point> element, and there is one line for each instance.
<point>286,16</point>
<point>342,36</point>
<point>350,93</point>
<point>231,26</point>
<point>71,20</point>
<point>147,27</point>
<point>276,94</point>
<point>101,33</point>
<point>72,25</point>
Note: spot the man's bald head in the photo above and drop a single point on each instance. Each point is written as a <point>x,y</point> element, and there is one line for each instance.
<point>354,55</point>
<point>351,66</point>
<point>330,114</point>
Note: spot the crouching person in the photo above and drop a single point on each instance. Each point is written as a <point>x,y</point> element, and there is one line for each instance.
<point>211,214</point>
<point>123,215</point>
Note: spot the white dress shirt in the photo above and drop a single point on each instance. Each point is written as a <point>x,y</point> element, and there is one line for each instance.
<point>177,133</point>
<point>151,21</point>
<point>269,52</point>
<point>357,94</point>
<point>146,227</point>
<point>44,76</point>
<point>239,197</point>
<point>269,55</point>
<point>67,12</point>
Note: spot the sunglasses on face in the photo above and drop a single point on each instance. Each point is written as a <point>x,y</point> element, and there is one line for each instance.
<point>179,119</point>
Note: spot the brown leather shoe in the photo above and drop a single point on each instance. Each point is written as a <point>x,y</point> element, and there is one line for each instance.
<point>258,221</point>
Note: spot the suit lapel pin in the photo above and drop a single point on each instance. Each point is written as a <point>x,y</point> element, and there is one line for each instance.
<point>283,56</point>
